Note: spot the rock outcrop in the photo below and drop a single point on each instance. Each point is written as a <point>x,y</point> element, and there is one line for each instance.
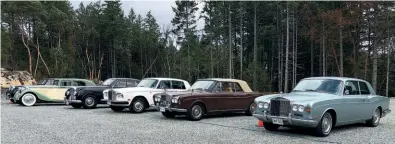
<point>12,78</point>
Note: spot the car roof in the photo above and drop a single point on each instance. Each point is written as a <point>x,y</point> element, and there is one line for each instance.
<point>243,84</point>
<point>163,78</point>
<point>336,78</point>
<point>124,78</point>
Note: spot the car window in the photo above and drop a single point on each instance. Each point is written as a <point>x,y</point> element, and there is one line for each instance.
<point>121,83</point>
<point>131,83</point>
<point>218,87</point>
<point>177,85</point>
<point>227,86</point>
<point>55,82</point>
<point>237,88</point>
<point>164,84</point>
<point>51,82</point>
<point>351,88</point>
<point>65,83</point>
<point>363,87</point>
<point>78,83</point>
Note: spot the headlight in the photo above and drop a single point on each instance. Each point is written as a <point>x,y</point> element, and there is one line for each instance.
<point>67,92</point>
<point>301,108</point>
<point>295,108</point>
<point>119,95</point>
<point>174,100</point>
<point>157,99</point>
<point>75,92</point>
<point>266,105</point>
<point>260,105</point>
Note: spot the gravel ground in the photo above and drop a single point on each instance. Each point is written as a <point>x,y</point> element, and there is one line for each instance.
<point>53,123</point>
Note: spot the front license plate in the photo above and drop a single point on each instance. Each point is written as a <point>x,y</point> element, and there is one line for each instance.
<point>162,109</point>
<point>277,121</point>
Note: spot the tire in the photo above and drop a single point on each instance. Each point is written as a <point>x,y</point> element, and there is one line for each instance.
<point>168,114</point>
<point>116,109</point>
<point>325,125</point>
<point>137,105</point>
<point>250,109</point>
<point>375,120</point>
<point>89,102</point>
<point>271,127</point>
<point>76,105</point>
<point>28,99</point>
<point>195,112</point>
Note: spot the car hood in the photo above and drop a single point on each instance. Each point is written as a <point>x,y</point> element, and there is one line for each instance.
<point>298,97</point>
<point>101,87</point>
<point>184,93</point>
<point>135,89</point>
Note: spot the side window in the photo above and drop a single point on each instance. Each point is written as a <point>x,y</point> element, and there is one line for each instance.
<point>121,83</point>
<point>177,85</point>
<point>227,86</point>
<point>237,88</point>
<point>78,83</point>
<point>351,88</point>
<point>65,83</point>
<point>50,82</point>
<point>131,83</point>
<point>218,87</point>
<point>164,84</point>
<point>364,88</point>
<point>56,82</point>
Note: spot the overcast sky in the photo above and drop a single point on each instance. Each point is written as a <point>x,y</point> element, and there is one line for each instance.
<point>160,9</point>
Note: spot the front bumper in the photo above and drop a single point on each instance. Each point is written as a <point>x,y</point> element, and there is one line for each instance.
<point>118,103</point>
<point>288,121</point>
<point>170,109</point>
<point>385,112</point>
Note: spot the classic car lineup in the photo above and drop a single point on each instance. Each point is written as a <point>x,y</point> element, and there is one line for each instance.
<point>89,96</point>
<point>318,103</point>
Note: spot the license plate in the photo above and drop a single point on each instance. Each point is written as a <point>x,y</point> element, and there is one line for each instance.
<point>277,121</point>
<point>162,109</point>
<point>109,102</point>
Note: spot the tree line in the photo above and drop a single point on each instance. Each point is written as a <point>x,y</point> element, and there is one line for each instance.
<point>271,45</point>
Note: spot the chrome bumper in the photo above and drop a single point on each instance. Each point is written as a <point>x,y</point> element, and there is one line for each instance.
<point>118,103</point>
<point>288,121</point>
<point>385,112</point>
<point>170,109</point>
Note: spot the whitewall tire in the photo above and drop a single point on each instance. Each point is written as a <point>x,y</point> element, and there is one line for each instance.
<point>28,99</point>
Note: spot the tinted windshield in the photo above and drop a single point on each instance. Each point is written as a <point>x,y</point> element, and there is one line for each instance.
<point>151,83</point>
<point>202,85</point>
<point>108,82</point>
<point>319,85</point>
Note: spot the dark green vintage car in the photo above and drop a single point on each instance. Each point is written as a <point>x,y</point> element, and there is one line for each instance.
<point>322,103</point>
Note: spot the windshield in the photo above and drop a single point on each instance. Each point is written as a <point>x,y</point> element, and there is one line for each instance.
<point>319,85</point>
<point>150,83</point>
<point>42,82</point>
<point>201,85</point>
<point>108,82</point>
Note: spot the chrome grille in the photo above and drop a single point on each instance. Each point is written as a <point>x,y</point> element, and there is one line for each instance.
<point>111,95</point>
<point>280,107</point>
<point>165,100</point>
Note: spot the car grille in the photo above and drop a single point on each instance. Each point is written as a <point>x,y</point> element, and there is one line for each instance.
<point>280,107</point>
<point>111,95</point>
<point>165,100</point>
<point>71,94</point>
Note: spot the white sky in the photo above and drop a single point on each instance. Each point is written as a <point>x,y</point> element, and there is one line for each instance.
<point>160,9</point>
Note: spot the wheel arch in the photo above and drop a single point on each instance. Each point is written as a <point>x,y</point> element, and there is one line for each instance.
<point>143,97</point>
<point>333,114</point>
<point>201,103</point>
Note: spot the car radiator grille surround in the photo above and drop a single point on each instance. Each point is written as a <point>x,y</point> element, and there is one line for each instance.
<point>111,95</point>
<point>165,100</point>
<point>71,94</point>
<point>280,107</point>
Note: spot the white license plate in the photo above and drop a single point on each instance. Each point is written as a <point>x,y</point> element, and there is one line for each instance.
<point>277,121</point>
<point>162,109</point>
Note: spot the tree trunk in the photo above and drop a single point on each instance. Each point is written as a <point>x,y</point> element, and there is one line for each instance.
<point>311,58</point>
<point>279,54</point>
<point>241,43</point>
<point>375,43</point>
<point>293,48</point>
<point>323,50</point>
<point>388,60</point>
<point>341,51</point>
<point>255,51</point>
<point>230,43</point>
<point>286,55</point>
<point>296,55</point>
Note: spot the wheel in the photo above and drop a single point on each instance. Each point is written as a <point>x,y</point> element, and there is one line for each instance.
<point>137,105</point>
<point>28,99</point>
<point>325,126</point>
<point>195,112</point>
<point>89,102</point>
<point>168,114</point>
<point>76,105</point>
<point>375,121</point>
<point>271,127</point>
<point>116,109</point>
<point>250,109</point>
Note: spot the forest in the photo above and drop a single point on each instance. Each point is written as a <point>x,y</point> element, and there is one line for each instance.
<point>271,45</point>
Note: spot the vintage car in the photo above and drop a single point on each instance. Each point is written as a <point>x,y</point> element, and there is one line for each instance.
<point>30,95</point>
<point>139,98</point>
<point>13,89</point>
<point>89,97</point>
<point>208,96</point>
<point>322,103</point>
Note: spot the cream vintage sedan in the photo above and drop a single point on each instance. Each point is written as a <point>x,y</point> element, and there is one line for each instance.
<point>30,95</point>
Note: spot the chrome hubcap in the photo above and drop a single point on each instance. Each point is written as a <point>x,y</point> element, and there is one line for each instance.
<point>327,123</point>
<point>138,106</point>
<point>376,116</point>
<point>196,111</point>
<point>89,101</point>
<point>28,99</point>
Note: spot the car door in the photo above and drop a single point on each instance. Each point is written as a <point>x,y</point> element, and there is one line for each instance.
<point>238,99</point>
<point>58,92</point>
<point>223,96</point>
<point>353,102</point>
<point>120,83</point>
<point>366,94</point>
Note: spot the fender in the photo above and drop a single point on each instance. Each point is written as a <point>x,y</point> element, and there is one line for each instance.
<point>39,96</point>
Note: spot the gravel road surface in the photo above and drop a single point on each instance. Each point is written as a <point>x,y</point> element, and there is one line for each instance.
<point>54,123</point>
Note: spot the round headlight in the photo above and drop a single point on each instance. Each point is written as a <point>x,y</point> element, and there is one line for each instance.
<point>294,108</point>
<point>301,108</point>
<point>119,95</point>
<point>75,93</point>
<point>260,105</point>
<point>266,105</point>
<point>67,92</point>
